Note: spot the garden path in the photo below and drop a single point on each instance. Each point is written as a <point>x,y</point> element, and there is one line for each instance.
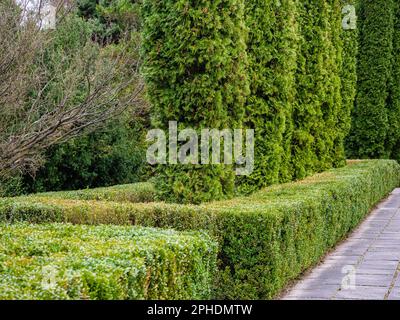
<point>366,266</point>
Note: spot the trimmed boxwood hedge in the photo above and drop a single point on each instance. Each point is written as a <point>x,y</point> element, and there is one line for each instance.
<point>60,261</point>
<point>135,192</point>
<point>265,240</point>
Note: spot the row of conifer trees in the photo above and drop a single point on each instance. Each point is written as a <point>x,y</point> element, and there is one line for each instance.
<point>289,69</point>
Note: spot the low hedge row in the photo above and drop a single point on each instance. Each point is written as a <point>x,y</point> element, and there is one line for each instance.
<point>135,192</point>
<point>265,240</point>
<point>59,261</point>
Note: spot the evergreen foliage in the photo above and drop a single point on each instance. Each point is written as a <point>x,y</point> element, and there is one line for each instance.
<point>371,117</point>
<point>318,99</point>
<point>350,40</point>
<point>271,51</point>
<point>110,156</point>
<point>195,66</point>
<point>265,240</point>
<point>294,66</point>
<point>393,102</point>
<point>67,262</point>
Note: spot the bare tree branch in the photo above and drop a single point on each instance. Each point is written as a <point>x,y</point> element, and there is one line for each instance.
<point>49,94</point>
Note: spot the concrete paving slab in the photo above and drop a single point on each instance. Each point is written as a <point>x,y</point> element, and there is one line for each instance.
<point>366,266</point>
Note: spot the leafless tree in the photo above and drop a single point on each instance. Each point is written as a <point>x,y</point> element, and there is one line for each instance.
<point>42,103</point>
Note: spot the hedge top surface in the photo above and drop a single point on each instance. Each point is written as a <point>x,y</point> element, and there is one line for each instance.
<point>135,192</point>
<point>287,194</point>
<point>271,199</point>
<point>63,261</point>
<point>112,237</point>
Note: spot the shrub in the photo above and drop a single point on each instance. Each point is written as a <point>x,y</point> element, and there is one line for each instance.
<point>136,192</point>
<point>111,19</point>
<point>265,240</point>
<point>197,79</point>
<point>274,235</point>
<point>12,186</point>
<point>60,261</point>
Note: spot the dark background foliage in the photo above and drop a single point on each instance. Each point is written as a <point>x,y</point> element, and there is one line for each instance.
<point>113,155</point>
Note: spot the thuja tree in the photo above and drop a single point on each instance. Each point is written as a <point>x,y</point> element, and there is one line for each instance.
<point>194,64</point>
<point>329,140</point>
<point>318,99</point>
<point>371,120</point>
<point>345,44</point>
<point>393,102</point>
<point>272,63</point>
<point>295,106</point>
<point>349,35</point>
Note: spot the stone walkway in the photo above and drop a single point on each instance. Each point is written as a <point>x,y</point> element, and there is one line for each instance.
<point>364,267</point>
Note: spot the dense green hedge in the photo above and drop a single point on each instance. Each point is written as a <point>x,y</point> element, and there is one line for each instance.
<point>271,237</point>
<point>266,239</point>
<point>135,192</point>
<point>371,119</point>
<point>197,79</point>
<point>61,261</point>
<point>341,87</point>
<point>376,117</point>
